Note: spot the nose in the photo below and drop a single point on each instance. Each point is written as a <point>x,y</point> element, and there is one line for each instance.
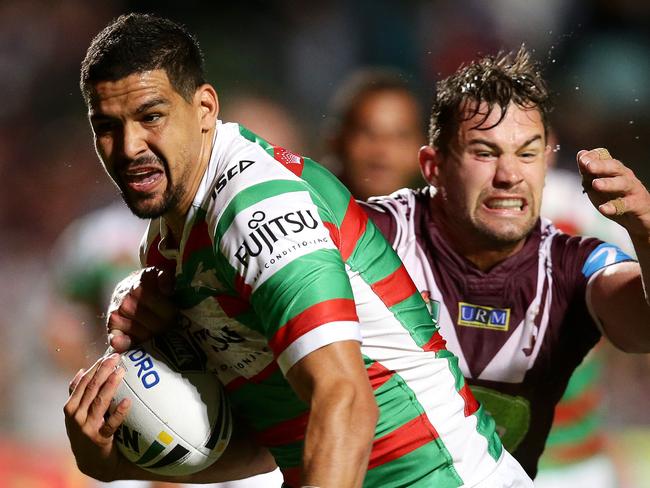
<point>133,140</point>
<point>507,173</point>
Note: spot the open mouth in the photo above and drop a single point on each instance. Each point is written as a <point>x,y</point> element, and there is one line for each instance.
<point>511,204</point>
<point>142,179</point>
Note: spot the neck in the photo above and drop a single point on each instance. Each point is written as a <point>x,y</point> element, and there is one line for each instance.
<point>175,218</point>
<point>476,249</point>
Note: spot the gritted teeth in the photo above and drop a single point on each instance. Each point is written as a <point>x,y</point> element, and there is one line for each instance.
<point>505,203</point>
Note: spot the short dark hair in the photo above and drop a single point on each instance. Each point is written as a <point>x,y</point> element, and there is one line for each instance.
<point>135,43</point>
<point>495,80</point>
<point>358,86</point>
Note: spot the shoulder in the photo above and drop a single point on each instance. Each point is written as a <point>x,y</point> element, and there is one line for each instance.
<point>246,170</point>
<point>259,184</point>
<point>581,257</point>
<point>241,159</point>
<point>394,214</point>
<point>400,202</point>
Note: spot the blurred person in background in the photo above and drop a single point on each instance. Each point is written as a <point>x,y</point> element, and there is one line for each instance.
<point>519,302</point>
<point>374,133</point>
<point>263,115</point>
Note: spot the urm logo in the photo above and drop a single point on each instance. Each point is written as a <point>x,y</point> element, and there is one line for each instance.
<point>483,317</point>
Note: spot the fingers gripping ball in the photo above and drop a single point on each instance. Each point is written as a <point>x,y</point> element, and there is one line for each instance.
<point>180,421</point>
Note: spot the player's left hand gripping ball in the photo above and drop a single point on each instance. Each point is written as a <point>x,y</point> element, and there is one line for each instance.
<point>615,190</point>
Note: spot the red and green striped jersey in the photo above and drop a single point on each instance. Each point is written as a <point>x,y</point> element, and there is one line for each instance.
<point>277,260</point>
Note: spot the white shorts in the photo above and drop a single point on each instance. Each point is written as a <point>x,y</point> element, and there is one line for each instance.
<point>268,480</point>
<point>596,472</point>
<point>508,474</point>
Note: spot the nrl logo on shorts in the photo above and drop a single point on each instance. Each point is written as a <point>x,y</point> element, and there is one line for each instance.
<point>483,317</point>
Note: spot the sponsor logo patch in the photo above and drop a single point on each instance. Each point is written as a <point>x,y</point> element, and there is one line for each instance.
<point>483,317</point>
<point>267,231</point>
<point>229,174</point>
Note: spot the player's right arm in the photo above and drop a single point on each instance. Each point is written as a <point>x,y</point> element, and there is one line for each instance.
<point>91,433</point>
<point>333,381</point>
<point>619,295</point>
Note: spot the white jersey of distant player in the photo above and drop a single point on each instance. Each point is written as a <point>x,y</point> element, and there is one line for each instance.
<point>564,201</point>
<point>108,235</point>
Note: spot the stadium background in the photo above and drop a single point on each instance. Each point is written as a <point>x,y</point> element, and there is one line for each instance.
<point>595,55</point>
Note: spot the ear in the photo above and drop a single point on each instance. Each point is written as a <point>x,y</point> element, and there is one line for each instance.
<point>430,159</point>
<point>208,103</point>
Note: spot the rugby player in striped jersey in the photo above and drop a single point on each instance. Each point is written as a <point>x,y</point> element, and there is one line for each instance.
<point>308,317</point>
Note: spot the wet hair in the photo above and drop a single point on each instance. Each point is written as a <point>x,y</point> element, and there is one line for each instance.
<point>135,43</point>
<point>360,85</point>
<point>494,80</point>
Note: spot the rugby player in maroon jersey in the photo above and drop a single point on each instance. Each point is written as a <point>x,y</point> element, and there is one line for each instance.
<point>520,303</point>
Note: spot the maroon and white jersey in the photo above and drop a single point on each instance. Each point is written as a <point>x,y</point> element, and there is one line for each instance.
<point>520,329</point>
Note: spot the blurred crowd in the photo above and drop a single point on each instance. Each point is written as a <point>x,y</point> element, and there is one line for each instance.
<point>284,70</point>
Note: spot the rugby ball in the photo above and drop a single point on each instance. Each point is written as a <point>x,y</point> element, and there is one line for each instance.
<point>179,421</point>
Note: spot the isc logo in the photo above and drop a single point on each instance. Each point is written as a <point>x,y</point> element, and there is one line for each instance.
<point>483,317</point>
<point>147,374</point>
<point>230,173</point>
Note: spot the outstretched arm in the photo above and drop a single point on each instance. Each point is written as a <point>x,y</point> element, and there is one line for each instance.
<point>92,441</point>
<point>617,295</point>
<point>341,427</point>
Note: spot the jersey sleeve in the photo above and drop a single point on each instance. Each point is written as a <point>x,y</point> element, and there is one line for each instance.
<point>281,258</point>
<point>581,260</point>
<point>602,256</point>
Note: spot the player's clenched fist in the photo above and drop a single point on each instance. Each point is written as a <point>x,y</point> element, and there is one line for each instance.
<point>90,428</point>
<point>140,308</point>
<point>616,191</point>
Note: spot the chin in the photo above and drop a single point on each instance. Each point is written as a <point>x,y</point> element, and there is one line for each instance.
<point>508,235</point>
<point>146,209</point>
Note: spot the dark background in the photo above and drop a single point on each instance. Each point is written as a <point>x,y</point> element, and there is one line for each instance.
<point>595,55</point>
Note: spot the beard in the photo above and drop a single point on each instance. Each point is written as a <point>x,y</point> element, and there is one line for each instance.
<point>150,208</point>
<point>497,237</point>
<point>153,206</point>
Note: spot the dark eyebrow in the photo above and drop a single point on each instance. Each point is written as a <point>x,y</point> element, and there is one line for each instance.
<point>496,148</point>
<point>489,144</point>
<point>142,108</point>
<point>150,104</point>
